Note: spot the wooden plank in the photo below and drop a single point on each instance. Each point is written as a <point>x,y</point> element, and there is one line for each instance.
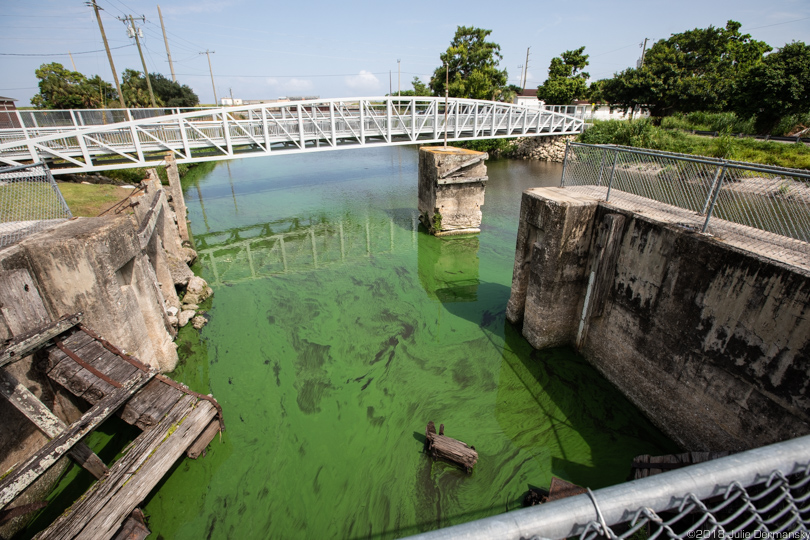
<point>20,303</point>
<point>102,510</point>
<point>164,401</point>
<point>24,344</point>
<point>134,527</point>
<point>47,422</point>
<point>141,401</point>
<point>24,475</point>
<point>198,447</point>
<point>442,447</point>
<point>75,341</point>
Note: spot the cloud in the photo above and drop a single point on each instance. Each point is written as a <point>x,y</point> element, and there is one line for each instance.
<point>364,81</point>
<point>291,86</point>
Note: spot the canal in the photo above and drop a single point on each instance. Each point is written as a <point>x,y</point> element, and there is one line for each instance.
<point>339,328</point>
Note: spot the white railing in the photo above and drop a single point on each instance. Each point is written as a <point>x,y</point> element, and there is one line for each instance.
<point>92,140</point>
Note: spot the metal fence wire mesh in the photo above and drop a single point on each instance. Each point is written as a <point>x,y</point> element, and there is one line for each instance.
<point>29,202</point>
<point>777,507</point>
<point>768,202</point>
<point>762,493</point>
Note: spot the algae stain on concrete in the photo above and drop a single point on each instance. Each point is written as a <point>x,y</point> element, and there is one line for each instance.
<point>328,373</point>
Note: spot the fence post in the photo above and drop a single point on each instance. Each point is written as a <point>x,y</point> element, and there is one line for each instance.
<point>718,183</point>
<point>612,173</point>
<point>601,166</point>
<point>565,164</point>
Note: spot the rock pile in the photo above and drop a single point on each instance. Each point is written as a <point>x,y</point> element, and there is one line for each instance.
<point>541,148</point>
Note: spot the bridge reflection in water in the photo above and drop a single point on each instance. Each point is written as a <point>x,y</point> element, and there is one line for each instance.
<point>291,245</point>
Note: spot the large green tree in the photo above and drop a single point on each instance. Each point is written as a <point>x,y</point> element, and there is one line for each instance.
<point>419,88</point>
<point>173,94</point>
<point>472,66</point>
<point>696,70</point>
<point>136,91</point>
<point>60,88</point>
<point>777,87</point>
<point>566,79</point>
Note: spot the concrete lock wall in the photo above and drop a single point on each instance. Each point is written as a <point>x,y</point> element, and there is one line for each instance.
<point>711,342</point>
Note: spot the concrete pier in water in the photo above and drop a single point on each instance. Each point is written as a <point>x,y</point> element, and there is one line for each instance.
<point>452,182</point>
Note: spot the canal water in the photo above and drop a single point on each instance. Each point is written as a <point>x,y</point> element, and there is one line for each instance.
<point>339,328</point>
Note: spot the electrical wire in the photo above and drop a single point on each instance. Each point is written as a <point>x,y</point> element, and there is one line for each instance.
<point>64,54</point>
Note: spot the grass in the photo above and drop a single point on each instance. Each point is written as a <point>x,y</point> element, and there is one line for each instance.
<point>89,200</point>
<point>643,134</point>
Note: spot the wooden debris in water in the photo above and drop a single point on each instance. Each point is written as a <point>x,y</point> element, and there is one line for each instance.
<point>559,489</point>
<point>646,465</point>
<point>440,446</point>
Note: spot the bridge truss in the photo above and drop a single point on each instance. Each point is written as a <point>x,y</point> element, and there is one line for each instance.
<point>75,141</point>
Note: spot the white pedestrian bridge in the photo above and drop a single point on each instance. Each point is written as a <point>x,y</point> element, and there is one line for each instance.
<point>73,141</point>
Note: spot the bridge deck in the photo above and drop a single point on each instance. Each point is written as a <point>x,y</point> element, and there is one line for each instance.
<point>84,141</point>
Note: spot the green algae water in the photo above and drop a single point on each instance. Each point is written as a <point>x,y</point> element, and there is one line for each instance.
<point>339,328</point>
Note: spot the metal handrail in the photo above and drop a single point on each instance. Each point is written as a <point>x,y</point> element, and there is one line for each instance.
<point>641,501</point>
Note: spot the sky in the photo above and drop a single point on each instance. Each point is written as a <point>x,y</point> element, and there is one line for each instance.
<point>267,49</point>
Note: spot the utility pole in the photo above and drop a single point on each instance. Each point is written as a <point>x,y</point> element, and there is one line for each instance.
<point>232,101</point>
<point>140,52</point>
<point>92,3</point>
<point>526,69</point>
<point>643,51</point>
<point>208,54</point>
<point>166,41</point>
<point>399,78</point>
<point>72,61</point>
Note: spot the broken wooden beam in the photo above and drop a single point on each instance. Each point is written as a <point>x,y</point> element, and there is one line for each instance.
<point>22,476</point>
<point>47,422</point>
<point>100,513</point>
<point>198,447</point>
<point>440,446</point>
<point>25,344</point>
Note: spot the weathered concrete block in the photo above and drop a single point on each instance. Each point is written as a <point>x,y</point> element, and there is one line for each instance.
<point>549,276</point>
<point>97,266</point>
<point>711,342</point>
<point>452,182</point>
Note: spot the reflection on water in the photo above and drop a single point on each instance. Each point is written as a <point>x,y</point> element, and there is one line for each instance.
<point>339,329</point>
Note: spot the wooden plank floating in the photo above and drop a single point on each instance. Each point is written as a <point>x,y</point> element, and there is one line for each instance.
<point>198,447</point>
<point>103,509</point>
<point>47,422</point>
<point>559,489</point>
<point>25,474</point>
<point>440,446</point>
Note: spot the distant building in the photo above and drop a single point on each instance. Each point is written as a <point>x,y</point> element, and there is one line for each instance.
<point>528,98</point>
<point>229,102</point>
<point>8,119</point>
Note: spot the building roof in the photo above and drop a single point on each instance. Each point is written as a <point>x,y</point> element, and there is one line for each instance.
<point>528,92</point>
<point>7,99</point>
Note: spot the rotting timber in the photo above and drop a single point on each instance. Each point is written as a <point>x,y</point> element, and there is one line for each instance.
<point>439,446</point>
<point>173,418</point>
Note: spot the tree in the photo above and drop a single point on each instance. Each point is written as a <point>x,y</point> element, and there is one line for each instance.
<point>472,66</point>
<point>696,70</point>
<point>419,88</point>
<point>566,80</point>
<point>60,88</point>
<point>136,91</point>
<point>778,87</point>
<point>172,94</point>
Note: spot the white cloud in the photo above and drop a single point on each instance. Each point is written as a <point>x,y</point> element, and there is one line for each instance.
<point>298,85</point>
<point>364,81</point>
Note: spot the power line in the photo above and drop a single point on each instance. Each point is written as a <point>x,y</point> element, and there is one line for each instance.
<point>63,54</point>
<point>777,24</point>
<point>284,76</point>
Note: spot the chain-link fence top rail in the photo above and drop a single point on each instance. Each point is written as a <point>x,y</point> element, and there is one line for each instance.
<point>769,202</point>
<point>756,494</point>
<point>29,202</point>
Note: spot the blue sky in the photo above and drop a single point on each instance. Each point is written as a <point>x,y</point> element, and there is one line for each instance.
<point>264,50</point>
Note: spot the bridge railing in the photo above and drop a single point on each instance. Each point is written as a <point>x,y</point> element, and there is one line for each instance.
<point>757,494</point>
<point>767,201</point>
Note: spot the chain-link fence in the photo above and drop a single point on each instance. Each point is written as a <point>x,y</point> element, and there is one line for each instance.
<point>758,494</point>
<point>29,202</point>
<point>768,202</point>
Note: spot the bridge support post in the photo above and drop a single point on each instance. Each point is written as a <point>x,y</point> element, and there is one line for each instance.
<point>452,182</point>
<point>177,196</point>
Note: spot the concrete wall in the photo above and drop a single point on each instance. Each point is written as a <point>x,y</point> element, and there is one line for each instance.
<point>711,342</point>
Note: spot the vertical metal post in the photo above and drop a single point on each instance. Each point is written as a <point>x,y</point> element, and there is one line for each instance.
<point>565,164</point>
<point>362,122</point>
<point>265,130</point>
<point>601,166</point>
<point>612,173</point>
<point>446,97</point>
<point>715,192</point>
